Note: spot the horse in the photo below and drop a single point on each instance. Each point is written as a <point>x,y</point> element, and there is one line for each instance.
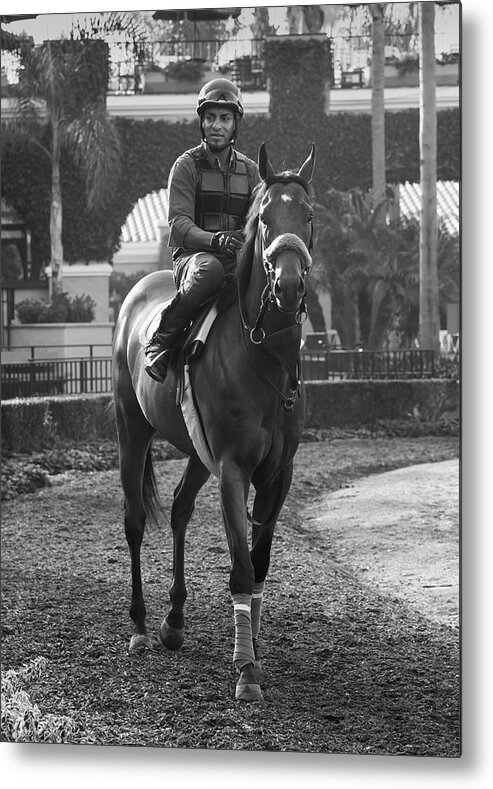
<point>251,403</point>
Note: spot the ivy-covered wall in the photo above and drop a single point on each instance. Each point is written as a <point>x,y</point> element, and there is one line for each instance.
<point>296,119</point>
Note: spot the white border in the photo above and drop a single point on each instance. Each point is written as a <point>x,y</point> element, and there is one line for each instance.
<point>56,766</point>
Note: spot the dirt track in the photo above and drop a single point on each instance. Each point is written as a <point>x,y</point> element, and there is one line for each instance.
<point>357,658</point>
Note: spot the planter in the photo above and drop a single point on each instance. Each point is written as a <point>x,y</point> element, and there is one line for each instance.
<point>62,340</point>
<point>394,79</point>
<point>157,82</point>
<point>180,86</point>
<point>153,82</point>
<point>447,74</point>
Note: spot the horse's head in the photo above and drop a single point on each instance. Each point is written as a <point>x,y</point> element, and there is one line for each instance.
<point>285,216</point>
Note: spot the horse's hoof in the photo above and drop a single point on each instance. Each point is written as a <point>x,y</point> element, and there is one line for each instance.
<point>248,687</point>
<point>171,637</point>
<point>248,691</point>
<point>139,642</point>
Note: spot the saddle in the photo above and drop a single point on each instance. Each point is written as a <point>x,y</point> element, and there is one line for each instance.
<point>195,335</point>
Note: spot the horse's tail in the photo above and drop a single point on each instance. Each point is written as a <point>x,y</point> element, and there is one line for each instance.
<point>152,502</point>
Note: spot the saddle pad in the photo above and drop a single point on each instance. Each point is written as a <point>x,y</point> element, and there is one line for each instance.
<point>201,327</point>
<point>194,425</point>
<point>197,334</point>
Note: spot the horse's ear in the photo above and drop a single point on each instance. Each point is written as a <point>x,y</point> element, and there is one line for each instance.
<point>306,170</point>
<point>265,168</point>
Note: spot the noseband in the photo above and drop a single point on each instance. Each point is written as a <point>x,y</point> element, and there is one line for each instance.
<point>290,242</point>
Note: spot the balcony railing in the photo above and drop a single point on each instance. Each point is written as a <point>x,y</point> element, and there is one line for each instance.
<point>242,60</point>
<point>239,59</point>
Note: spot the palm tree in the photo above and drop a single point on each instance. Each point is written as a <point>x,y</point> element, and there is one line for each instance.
<point>338,268</point>
<point>429,324</point>
<point>369,267</point>
<point>377,11</point>
<point>61,107</point>
<point>385,252</point>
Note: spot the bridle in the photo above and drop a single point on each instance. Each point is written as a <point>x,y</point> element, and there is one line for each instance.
<point>256,335</point>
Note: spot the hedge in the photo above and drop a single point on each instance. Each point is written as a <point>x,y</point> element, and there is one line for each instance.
<point>355,403</point>
<point>37,423</point>
<point>33,424</point>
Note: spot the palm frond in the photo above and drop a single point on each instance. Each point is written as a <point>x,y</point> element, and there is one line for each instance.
<point>94,141</point>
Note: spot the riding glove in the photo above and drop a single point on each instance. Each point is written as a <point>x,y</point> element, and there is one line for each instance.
<point>228,242</point>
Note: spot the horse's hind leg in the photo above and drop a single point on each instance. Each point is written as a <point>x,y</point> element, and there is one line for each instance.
<point>135,436</point>
<point>194,477</point>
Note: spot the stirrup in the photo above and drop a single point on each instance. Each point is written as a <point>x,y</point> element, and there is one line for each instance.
<point>157,367</point>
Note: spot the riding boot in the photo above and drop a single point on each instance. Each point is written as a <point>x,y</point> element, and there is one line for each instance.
<point>174,319</point>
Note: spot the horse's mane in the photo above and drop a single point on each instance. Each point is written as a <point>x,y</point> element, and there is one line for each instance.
<point>245,257</point>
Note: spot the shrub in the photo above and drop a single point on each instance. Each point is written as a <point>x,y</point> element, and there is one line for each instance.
<point>57,311</point>
<point>29,310</point>
<point>189,70</point>
<point>62,309</point>
<point>81,309</point>
<point>407,64</point>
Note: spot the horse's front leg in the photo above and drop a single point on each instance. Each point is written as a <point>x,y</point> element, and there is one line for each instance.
<point>234,486</point>
<point>268,503</point>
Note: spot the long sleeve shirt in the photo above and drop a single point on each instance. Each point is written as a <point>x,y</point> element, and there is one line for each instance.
<point>183,183</point>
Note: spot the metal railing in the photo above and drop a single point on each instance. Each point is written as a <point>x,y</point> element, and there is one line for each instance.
<point>56,377</point>
<point>38,377</point>
<point>36,353</point>
<point>378,365</point>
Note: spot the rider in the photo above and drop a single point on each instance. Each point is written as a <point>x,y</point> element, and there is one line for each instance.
<point>209,192</point>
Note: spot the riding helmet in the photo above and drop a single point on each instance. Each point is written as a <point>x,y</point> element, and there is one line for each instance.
<point>220,92</point>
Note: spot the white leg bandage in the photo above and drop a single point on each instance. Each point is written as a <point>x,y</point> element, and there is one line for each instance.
<point>257,597</point>
<point>243,651</point>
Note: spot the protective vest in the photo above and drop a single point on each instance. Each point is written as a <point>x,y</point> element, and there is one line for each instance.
<point>222,198</point>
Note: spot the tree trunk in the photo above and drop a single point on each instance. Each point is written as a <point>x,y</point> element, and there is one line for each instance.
<point>429,323</point>
<point>377,11</point>
<point>358,340</point>
<point>56,215</point>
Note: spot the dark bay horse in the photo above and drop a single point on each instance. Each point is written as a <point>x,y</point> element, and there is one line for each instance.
<point>251,405</point>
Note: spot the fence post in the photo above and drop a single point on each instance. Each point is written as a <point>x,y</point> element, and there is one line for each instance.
<point>32,377</point>
<point>83,376</point>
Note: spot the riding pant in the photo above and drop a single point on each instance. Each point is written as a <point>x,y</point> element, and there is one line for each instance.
<point>198,277</point>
